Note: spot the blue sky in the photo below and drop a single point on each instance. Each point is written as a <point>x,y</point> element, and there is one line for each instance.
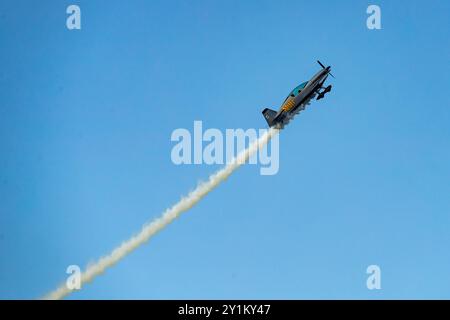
<point>85,124</point>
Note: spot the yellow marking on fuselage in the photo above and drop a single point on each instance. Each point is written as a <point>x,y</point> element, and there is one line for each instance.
<point>288,105</point>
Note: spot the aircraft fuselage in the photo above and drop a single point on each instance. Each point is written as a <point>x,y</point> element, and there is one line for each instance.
<point>295,104</point>
<point>298,99</point>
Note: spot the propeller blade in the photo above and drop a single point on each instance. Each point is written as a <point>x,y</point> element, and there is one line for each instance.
<point>321,64</point>
<point>324,68</point>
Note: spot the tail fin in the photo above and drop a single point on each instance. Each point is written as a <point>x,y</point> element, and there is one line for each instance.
<point>269,115</point>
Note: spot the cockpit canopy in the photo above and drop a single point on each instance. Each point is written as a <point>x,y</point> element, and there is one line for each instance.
<point>297,90</point>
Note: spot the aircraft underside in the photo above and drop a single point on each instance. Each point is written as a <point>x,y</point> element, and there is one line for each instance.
<point>290,115</point>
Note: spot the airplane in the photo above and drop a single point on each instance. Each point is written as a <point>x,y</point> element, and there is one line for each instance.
<point>298,99</point>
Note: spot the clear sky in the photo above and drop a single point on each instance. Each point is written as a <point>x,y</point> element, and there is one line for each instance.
<point>85,123</point>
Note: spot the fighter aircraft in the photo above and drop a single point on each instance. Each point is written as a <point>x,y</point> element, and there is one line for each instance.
<point>299,98</point>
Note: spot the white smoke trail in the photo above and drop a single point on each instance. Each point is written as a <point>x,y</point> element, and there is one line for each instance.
<point>166,218</point>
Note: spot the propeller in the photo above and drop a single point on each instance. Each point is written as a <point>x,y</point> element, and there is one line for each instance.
<point>321,64</point>
<point>324,67</point>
